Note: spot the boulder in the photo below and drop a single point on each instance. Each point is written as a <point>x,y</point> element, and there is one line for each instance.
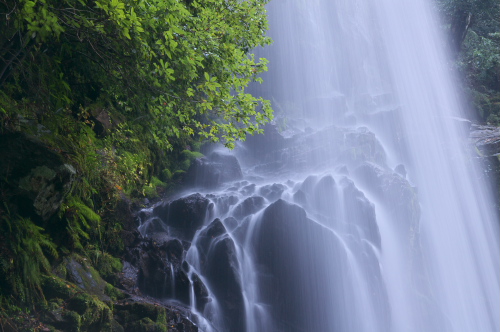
<point>222,274</point>
<point>200,293</point>
<point>272,192</point>
<point>395,192</point>
<point>85,277</point>
<point>214,170</point>
<point>486,139</point>
<point>157,269</point>
<point>137,315</point>
<point>288,246</point>
<point>272,140</point>
<point>360,211</point>
<point>219,265</point>
<point>248,206</point>
<point>184,216</point>
<point>223,203</point>
<point>318,193</point>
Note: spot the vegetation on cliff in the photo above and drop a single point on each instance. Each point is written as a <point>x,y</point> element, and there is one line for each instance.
<point>103,101</point>
<point>474,30</point>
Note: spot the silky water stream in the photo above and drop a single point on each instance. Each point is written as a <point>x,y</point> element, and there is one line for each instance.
<point>359,210</point>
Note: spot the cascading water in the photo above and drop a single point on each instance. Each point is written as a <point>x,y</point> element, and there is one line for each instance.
<point>363,214</point>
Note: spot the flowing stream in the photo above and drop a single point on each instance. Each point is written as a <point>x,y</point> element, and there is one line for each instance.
<point>360,209</point>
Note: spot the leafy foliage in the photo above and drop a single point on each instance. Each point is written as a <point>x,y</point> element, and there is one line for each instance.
<point>24,257</point>
<point>118,88</point>
<point>175,68</point>
<point>81,222</point>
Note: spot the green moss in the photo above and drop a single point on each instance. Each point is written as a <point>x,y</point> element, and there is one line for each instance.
<point>106,264</point>
<point>25,257</point>
<point>189,157</point>
<point>73,320</point>
<point>114,293</point>
<point>166,174</point>
<point>147,325</point>
<point>156,182</point>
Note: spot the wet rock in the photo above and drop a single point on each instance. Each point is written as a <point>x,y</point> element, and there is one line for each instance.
<point>486,139</point>
<point>174,250</point>
<point>319,193</point>
<point>138,315</point>
<point>272,192</point>
<point>335,145</point>
<point>72,309</point>
<point>184,215</point>
<point>342,170</point>
<point>200,293</point>
<point>153,226</point>
<point>272,140</point>
<point>395,192</point>
<point>324,194</point>
<point>86,277</point>
<point>231,223</point>
<point>219,265</point>
<point>208,235</point>
<point>223,203</point>
<point>300,197</point>
<point>286,259</point>
<point>308,185</point>
<point>222,274</point>
<point>360,211</point>
<point>158,269</point>
<point>248,206</point>
<point>248,190</point>
<point>211,171</point>
<point>401,170</point>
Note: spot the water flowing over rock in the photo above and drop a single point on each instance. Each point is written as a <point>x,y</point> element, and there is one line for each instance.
<point>183,216</point>
<point>358,210</point>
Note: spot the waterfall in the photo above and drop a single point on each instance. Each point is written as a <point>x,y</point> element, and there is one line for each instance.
<point>360,209</point>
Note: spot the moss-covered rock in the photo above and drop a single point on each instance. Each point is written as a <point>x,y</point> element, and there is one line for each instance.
<point>138,316</point>
<point>73,309</point>
<point>85,276</point>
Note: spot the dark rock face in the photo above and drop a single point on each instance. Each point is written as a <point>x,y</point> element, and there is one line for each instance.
<point>361,212</point>
<point>159,277</point>
<point>155,267</point>
<point>287,261</point>
<point>316,149</point>
<point>248,189</point>
<point>259,144</point>
<point>272,192</point>
<point>248,206</point>
<point>184,215</point>
<point>200,293</point>
<point>225,202</point>
<point>395,192</point>
<point>220,267</point>
<point>317,193</point>
<point>134,315</point>
<point>38,179</point>
<point>486,139</point>
<point>211,171</point>
<point>86,278</point>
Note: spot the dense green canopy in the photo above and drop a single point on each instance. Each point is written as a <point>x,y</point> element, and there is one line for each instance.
<point>174,66</point>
